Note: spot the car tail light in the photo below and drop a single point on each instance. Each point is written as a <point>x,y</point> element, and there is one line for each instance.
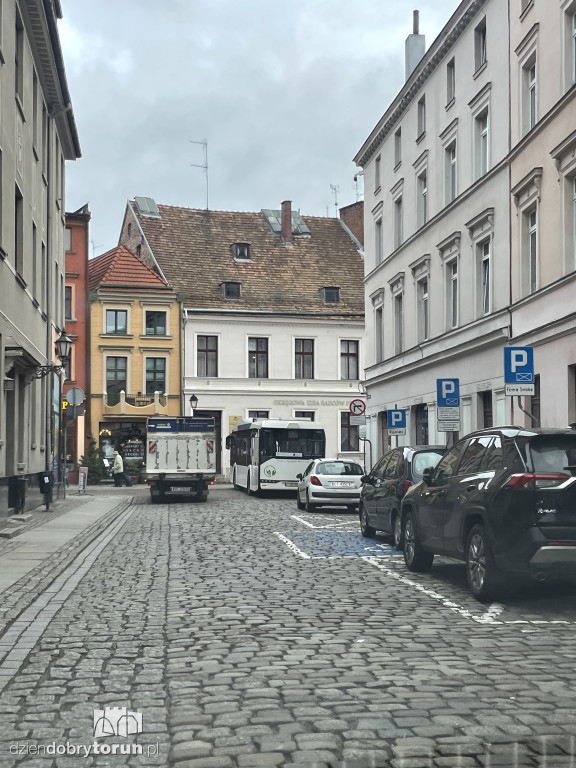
<point>535,481</point>
<point>314,480</point>
<point>407,484</point>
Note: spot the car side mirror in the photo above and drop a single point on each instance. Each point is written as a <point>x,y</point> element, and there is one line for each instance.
<point>428,475</point>
<point>299,476</point>
<point>365,479</point>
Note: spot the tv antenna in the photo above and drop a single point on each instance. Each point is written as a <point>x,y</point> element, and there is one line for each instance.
<point>335,189</point>
<point>203,165</point>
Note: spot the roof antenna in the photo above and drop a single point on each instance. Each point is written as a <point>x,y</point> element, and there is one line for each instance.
<point>335,189</point>
<point>204,165</point>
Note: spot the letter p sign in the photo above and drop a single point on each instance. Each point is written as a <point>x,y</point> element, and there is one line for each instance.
<point>518,365</point>
<point>518,359</point>
<point>448,392</point>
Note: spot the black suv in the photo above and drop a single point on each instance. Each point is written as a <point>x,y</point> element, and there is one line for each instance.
<point>504,501</point>
<point>388,481</point>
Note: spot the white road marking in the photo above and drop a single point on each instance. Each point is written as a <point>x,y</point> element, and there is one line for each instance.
<point>334,525</point>
<point>292,546</point>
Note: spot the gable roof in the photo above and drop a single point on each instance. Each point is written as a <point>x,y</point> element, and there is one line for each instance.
<point>120,269</point>
<point>193,249</point>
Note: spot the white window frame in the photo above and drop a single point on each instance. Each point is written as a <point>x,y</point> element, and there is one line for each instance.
<point>530,249</point>
<point>422,204</point>
<point>484,260</point>
<point>397,289</point>
<point>157,356</point>
<point>398,147</point>
<point>481,230</point>
<point>450,255</point>
<point>526,196</point>
<point>564,156</point>
<point>450,82</point>
<point>480,52</point>
<point>378,241</point>
<point>421,126</point>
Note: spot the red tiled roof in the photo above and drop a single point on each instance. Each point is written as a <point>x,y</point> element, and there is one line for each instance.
<point>120,268</point>
<point>193,250</point>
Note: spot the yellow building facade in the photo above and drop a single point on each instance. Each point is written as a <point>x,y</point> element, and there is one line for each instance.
<point>135,353</point>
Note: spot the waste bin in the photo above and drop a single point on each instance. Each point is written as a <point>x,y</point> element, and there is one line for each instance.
<point>46,483</point>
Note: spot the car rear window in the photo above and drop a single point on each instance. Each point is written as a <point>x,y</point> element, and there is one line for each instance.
<point>422,460</point>
<point>339,468</point>
<point>552,453</point>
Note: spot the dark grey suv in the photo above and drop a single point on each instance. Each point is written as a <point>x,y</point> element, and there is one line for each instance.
<point>386,484</point>
<point>504,501</point>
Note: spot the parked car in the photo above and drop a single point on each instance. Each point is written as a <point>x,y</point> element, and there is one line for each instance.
<point>504,501</point>
<point>386,484</point>
<point>329,482</point>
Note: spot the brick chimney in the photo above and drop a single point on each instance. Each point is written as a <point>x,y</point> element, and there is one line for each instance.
<point>287,221</point>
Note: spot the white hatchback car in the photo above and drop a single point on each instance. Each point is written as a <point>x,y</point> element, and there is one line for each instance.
<point>330,482</point>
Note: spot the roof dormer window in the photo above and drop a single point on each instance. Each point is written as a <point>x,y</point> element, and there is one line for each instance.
<point>241,251</point>
<point>331,295</point>
<point>230,290</point>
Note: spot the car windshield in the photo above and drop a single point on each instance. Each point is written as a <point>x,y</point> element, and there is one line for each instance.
<point>552,453</point>
<point>339,468</point>
<point>423,460</point>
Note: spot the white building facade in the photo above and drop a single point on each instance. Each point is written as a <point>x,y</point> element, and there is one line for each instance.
<point>437,220</point>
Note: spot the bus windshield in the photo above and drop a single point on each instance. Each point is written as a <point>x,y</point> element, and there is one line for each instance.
<point>292,443</point>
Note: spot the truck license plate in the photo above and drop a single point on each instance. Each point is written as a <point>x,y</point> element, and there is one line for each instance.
<point>179,488</point>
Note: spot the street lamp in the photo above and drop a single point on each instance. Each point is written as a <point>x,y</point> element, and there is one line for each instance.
<point>193,403</point>
<point>63,346</point>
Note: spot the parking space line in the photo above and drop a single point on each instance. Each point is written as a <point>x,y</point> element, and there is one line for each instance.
<point>324,527</point>
<point>292,546</point>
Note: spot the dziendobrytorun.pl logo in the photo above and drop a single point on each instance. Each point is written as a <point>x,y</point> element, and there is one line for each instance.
<point>107,722</point>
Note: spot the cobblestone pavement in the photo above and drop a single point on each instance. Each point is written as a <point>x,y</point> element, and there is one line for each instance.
<point>248,634</point>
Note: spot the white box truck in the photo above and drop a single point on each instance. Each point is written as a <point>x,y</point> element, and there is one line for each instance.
<point>180,457</point>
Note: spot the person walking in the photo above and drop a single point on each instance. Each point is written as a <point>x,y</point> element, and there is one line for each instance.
<point>118,470</point>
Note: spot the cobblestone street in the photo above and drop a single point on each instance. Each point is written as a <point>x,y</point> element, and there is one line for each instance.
<point>249,634</point>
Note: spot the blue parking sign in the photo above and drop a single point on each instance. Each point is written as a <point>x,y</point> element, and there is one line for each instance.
<point>396,422</point>
<point>448,393</point>
<point>518,365</point>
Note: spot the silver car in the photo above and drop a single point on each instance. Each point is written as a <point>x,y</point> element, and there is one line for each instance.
<point>329,482</point>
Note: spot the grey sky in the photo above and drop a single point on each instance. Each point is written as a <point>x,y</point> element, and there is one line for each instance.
<point>285,93</point>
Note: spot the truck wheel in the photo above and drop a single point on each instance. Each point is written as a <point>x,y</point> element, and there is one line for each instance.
<point>154,496</point>
<point>202,495</point>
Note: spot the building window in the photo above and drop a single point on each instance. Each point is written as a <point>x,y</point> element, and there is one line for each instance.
<point>257,358</point>
<point>331,294</point>
<point>117,321</point>
<point>423,310</point>
<point>487,411</point>
<point>452,292</point>
<point>377,183</point>
<point>258,414</point>
<point>480,57</point>
<point>398,323</point>
<point>573,221</point>
<point>19,59</point>
<point>18,232</point>
<point>349,434</point>
<point>398,147</point>
<point>116,375</point>
<point>241,251</point>
<point>422,207</point>
<point>230,290</point>
<point>529,95</point>
<point>349,360</point>
<point>378,242</point>
<point>421,117</point>
<point>304,358</point>
<point>484,273</point>
<point>482,143</point>
<point>379,333</point>
<point>68,303</point>
<point>421,424</point>
<point>207,356</point>
<point>531,249</point>
<point>398,223</point>
<point>67,239</point>
<point>309,415</point>
<point>155,375</point>
<point>572,17</point>
<point>451,173</point>
<point>155,323</point>
<point>450,81</point>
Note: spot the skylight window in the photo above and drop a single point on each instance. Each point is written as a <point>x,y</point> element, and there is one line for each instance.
<point>241,251</point>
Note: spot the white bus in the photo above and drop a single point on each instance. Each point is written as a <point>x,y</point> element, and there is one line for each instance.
<point>267,454</point>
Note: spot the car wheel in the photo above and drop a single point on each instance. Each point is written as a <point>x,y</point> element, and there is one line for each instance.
<point>309,506</point>
<point>397,536</point>
<point>484,578</point>
<point>415,557</point>
<point>299,504</point>
<point>365,528</point>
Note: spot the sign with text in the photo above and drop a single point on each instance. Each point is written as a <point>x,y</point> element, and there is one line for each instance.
<point>396,421</point>
<point>519,370</point>
<point>448,414</point>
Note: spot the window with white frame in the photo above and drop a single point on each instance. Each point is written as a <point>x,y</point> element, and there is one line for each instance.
<point>398,147</point>
<point>529,94</point>
<point>378,241</point>
<point>572,235</point>
<point>349,359</point>
<point>482,143</point>
<point>398,222</point>
<point>398,323</point>
<point>207,356</point>
<point>450,81</point>
<point>377,164</point>
<point>379,333</point>
<point>569,42</point>
<point>480,55</point>
<point>564,156</point>
<point>451,172</point>
<point>422,203</point>
<point>452,292</point>
<point>423,309</point>
<point>484,276</point>
<point>304,358</point>
<point>530,248</point>
<point>421,129</point>
<point>155,375</point>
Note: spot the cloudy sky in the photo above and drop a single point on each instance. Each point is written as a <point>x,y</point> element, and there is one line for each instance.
<point>284,93</point>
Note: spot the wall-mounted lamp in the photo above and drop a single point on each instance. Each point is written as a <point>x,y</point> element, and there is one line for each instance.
<point>63,346</point>
<point>193,403</point>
